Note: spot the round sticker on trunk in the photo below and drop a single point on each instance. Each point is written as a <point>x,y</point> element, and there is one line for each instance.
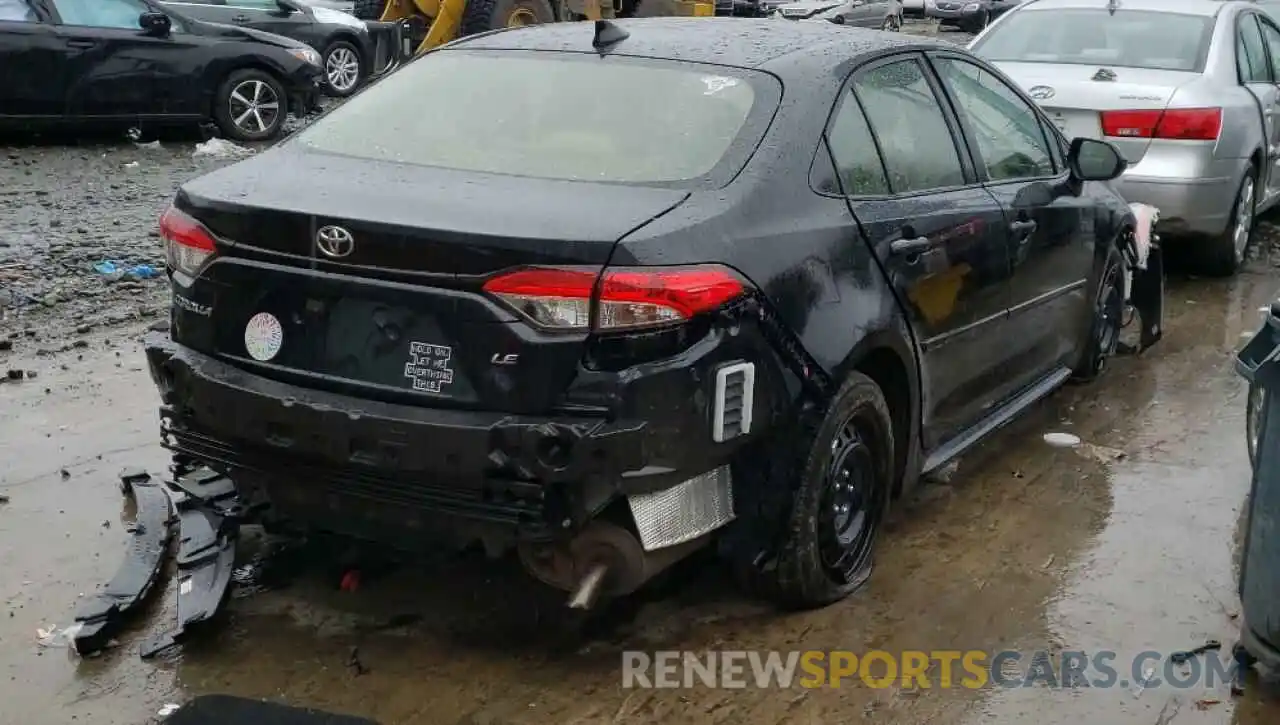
<point>263,336</point>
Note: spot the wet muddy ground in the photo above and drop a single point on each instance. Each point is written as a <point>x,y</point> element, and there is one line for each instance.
<point>1124,544</point>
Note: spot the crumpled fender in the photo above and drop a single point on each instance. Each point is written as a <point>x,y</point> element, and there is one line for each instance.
<point>1144,274</point>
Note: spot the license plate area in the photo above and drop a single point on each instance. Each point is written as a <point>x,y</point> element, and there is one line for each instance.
<point>1075,123</point>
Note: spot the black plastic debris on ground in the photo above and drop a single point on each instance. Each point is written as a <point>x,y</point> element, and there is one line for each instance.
<point>209,515</point>
<point>100,617</point>
<point>229,710</point>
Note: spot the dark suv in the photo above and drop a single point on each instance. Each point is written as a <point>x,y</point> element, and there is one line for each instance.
<point>621,297</point>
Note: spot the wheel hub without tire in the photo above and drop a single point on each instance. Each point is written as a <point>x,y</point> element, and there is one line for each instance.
<point>342,69</point>
<point>254,107</point>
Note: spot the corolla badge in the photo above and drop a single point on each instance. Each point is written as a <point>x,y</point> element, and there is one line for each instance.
<point>335,242</point>
<point>1041,93</point>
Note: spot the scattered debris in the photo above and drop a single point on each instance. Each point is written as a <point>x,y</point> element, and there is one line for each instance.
<point>1147,674</point>
<point>53,636</point>
<point>121,270</point>
<point>354,663</point>
<point>350,581</point>
<point>1048,562</point>
<point>220,148</point>
<point>131,165</point>
<point>169,709</point>
<point>945,473</point>
<point>4,498</point>
<point>13,374</point>
<point>64,473</point>
<point>1205,703</point>
<point>151,146</point>
<point>1209,646</point>
<point>1062,440</point>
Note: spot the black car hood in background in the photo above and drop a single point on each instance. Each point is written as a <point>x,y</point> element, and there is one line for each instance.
<point>559,219</point>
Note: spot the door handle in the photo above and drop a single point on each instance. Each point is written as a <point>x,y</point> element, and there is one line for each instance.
<point>1023,228</point>
<point>915,245</point>
<point>240,19</point>
<point>81,43</point>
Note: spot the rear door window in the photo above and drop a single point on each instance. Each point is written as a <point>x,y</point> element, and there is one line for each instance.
<point>906,117</point>
<point>1271,35</point>
<point>570,116</point>
<point>1251,54</point>
<point>854,149</point>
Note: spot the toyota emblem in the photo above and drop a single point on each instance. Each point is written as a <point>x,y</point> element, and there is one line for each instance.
<point>1041,93</point>
<point>335,242</point>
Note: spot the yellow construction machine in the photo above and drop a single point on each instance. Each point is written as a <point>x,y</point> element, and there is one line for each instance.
<point>436,22</point>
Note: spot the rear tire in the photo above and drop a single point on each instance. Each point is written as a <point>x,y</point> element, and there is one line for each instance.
<point>369,9</point>
<point>1227,251</point>
<point>256,93</point>
<point>1107,319</point>
<point>484,15</point>
<point>843,477</point>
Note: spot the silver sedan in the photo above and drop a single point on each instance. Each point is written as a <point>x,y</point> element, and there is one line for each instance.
<point>1186,89</point>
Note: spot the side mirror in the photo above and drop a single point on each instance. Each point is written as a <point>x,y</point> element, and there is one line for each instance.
<point>287,6</point>
<point>154,23</point>
<point>1093,160</point>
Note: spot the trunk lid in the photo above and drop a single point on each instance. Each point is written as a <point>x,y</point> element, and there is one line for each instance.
<point>1077,94</point>
<point>399,315</point>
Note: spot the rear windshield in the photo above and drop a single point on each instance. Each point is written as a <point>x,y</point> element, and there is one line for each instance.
<point>1089,36</point>
<point>557,116</point>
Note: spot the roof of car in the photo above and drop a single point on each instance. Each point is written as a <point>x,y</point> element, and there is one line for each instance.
<point>742,42</point>
<point>1189,7</point>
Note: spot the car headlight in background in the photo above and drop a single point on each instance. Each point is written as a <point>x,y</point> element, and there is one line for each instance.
<point>329,16</point>
<point>306,55</point>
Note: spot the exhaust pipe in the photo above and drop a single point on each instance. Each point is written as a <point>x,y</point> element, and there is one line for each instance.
<point>585,595</point>
<point>604,560</point>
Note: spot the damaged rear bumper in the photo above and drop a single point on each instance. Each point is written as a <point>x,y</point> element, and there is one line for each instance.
<point>408,476</point>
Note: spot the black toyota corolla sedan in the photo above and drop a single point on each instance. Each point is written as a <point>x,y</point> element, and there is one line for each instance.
<point>623,297</point>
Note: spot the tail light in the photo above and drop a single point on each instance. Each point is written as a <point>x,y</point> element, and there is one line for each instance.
<point>187,243</point>
<point>1184,124</point>
<point>560,298</point>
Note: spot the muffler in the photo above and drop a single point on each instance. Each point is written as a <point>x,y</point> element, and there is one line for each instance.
<point>605,560</point>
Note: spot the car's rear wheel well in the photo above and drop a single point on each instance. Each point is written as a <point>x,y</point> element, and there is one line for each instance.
<point>886,368</point>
